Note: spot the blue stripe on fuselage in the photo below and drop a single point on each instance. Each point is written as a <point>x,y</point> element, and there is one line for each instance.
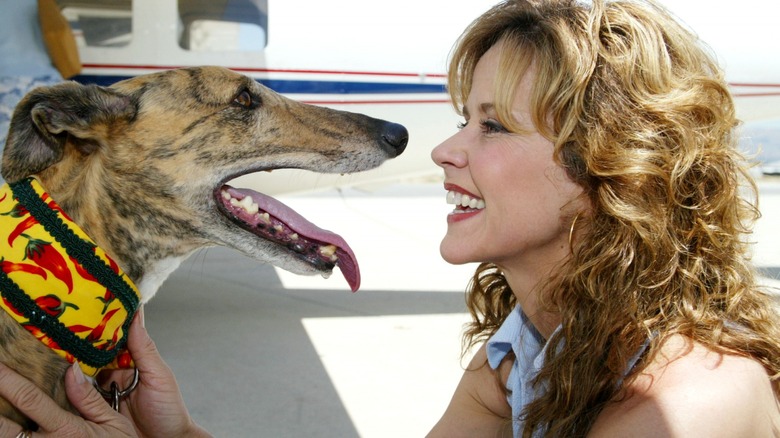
<point>305,87</point>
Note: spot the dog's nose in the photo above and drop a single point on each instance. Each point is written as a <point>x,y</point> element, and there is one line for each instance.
<point>394,139</point>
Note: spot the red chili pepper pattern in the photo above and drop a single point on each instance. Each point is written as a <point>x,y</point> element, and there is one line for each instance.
<point>10,307</point>
<point>49,258</point>
<point>81,271</point>
<point>9,267</point>
<point>53,305</point>
<point>97,332</point>
<point>20,229</point>
<point>63,289</point>
<point>107,299</point>
<point>124,360</point>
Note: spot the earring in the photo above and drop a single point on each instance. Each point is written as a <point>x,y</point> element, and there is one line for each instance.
<point>571,230</point>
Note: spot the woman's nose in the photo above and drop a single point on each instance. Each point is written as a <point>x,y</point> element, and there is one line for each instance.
<point>450,152</point>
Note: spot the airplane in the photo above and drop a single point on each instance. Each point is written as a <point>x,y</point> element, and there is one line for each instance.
<point>388,60</point>
<point>385,59</point>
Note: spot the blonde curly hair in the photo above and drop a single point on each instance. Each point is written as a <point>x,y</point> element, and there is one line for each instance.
<point>641,118</point>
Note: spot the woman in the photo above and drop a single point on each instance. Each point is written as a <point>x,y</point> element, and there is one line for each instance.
<point>596,179</point>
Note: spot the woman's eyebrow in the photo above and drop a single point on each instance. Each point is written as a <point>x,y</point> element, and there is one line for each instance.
<point>487,108</point>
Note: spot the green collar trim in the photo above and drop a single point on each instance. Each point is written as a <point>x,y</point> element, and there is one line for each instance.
<point>83,252</point>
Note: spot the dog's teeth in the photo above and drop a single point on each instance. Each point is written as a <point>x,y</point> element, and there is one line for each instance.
<point>328,251</point>
<point>294,236</point>
<point>279,228</point>
<point>235,202</point>
<point>266,218</point>
<point>249,205</point>
<point>225,195</point>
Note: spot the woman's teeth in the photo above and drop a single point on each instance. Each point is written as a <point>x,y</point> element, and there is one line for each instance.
<point>465,201</point>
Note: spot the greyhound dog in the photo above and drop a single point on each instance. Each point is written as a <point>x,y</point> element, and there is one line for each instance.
<point>141,167</point>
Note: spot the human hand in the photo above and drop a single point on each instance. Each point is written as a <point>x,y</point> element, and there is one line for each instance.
<point>155,407</point>
<point>99,420</point>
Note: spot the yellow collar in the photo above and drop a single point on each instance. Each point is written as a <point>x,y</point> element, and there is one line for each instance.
<point>58,284</point>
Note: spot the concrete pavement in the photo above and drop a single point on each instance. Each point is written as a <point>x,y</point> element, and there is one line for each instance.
<point>262,353</point>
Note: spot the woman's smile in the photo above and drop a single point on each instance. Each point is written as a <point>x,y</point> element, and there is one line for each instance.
<point>467,205</point>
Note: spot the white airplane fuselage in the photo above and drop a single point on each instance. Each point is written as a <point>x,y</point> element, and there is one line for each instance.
<point>384,59</point>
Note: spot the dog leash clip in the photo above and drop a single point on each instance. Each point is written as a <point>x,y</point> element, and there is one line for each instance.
<point>114,395</point>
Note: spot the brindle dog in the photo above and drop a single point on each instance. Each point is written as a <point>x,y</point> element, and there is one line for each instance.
<point>142,167</point>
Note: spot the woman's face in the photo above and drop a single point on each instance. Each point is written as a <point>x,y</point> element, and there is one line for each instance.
<point>518,208</point>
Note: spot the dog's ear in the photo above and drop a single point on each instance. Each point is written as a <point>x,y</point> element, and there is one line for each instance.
<point>46,117</point>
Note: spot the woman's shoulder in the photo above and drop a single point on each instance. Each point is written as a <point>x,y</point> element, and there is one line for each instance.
<point>691,390</point>
<point>479,406</point>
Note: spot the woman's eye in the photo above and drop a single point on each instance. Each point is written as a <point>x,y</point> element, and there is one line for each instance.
<point>243,99</point>
<point>490,126</point>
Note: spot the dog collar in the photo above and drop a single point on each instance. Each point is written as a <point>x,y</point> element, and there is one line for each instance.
<point>59,285</point>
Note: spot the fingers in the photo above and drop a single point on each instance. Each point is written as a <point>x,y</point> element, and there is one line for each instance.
<point>144,351</point>
<point>102,420</point>
<point>140,344</point>
<point>145,356</point>
<point>30,400</point>
<point>9,428</point>
<point>52,419</point>
<point>85,398</point>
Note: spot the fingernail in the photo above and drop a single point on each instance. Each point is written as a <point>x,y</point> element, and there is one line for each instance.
<point>78,373</point>
<point>141,315</point>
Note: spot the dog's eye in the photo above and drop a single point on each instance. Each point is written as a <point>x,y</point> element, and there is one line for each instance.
<point>243,99</point>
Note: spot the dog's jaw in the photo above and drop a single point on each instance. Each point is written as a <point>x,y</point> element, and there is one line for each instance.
<point>294,236</point>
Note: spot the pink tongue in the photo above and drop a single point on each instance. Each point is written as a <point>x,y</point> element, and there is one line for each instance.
<point>347,262</point>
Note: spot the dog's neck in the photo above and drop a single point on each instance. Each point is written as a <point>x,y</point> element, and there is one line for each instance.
<point>154,277</point>
<point>90,207</point>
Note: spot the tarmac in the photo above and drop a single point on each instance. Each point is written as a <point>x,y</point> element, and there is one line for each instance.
<point>259,352</point>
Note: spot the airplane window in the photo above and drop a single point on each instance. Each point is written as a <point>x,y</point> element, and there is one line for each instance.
<point>104,23</point>
<point>223,25</point>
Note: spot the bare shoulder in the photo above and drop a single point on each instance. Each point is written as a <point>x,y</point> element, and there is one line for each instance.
<point>479,406</point>
<point>690,390</point>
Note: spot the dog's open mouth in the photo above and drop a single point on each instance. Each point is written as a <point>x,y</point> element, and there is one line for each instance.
<point>276,222</point>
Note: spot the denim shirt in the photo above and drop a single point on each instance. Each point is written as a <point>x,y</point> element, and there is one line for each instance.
<point>518,335</point>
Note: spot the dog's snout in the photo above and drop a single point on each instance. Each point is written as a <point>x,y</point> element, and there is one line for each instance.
<point>394,139</point>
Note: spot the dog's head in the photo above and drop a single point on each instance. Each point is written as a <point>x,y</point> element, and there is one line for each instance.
<point>142,166</point>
